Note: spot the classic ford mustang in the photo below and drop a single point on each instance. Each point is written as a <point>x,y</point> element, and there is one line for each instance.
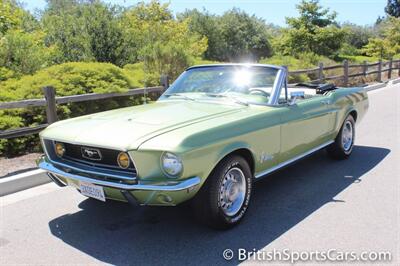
<point>215,130</point>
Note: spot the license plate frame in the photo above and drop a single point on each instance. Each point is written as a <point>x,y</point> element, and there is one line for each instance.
<point>92,191</point>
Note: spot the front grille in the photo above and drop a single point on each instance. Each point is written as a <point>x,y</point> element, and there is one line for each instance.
<point>74,157</point>
<point>108,157</point>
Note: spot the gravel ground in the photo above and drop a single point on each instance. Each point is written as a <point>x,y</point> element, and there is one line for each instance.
<point>18,165</point>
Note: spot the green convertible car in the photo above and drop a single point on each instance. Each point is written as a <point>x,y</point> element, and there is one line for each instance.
<point>214,131</point>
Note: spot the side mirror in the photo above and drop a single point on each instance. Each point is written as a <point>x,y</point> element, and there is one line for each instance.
<point>294,95</point>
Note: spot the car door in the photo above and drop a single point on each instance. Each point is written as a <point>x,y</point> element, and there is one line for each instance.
<point>305,125</point>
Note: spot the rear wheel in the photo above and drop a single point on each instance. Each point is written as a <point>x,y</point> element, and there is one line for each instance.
<point>344,142</point>
<point>223,200</point>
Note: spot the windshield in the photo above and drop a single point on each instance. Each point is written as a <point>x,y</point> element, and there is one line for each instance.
<point>245,84</point>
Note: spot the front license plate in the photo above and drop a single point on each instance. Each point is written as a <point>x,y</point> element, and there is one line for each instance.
<point>92,191</point>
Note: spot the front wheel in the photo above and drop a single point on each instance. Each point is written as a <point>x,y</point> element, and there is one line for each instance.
<point>223,200</point>
<point>344,142</point>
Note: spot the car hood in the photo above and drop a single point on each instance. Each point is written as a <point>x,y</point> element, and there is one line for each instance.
<point>127,128</point>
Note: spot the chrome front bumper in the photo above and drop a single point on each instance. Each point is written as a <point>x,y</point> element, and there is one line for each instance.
<point>170,186</point>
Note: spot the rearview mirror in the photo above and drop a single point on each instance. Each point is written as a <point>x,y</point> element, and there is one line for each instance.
<point>294,95</point>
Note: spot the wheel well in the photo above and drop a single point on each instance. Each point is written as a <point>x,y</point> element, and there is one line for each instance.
<point>354,115</point>
<point>247,155</point>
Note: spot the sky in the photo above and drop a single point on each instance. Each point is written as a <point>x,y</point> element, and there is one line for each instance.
<point>362,12</point>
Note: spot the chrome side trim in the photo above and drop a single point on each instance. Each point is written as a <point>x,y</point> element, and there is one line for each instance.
<point>272,169</point>
<point>172,186</point>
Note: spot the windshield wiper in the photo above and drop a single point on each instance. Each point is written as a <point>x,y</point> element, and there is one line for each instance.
<point>222,95</point>
<point>179,95</point>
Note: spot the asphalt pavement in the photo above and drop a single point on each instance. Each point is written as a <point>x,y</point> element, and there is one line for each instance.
<point>315,205</point>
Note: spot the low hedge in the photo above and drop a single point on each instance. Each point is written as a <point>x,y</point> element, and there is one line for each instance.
<point>67,79</point>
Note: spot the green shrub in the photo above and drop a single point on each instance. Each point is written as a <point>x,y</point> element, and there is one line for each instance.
<point>67,79</point>
<point>136,73</point>
<point>6,73</point>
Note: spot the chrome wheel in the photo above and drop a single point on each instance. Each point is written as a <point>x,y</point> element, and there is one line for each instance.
<point>232,191</point>
<point>347,136</point>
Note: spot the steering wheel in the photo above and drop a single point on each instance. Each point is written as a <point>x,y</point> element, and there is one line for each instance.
<point>256,90</point>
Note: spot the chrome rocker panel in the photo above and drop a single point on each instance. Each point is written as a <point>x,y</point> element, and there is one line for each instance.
<point>44,164</point>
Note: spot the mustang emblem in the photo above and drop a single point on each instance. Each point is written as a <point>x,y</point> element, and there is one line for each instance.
<point>91,154</point>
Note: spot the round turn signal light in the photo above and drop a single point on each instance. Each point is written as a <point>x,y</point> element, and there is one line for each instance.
<point>123,160</point>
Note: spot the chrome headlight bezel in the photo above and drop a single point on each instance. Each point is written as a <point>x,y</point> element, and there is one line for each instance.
<point>171,164</point>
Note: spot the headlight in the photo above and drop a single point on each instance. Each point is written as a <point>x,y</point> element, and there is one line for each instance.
<point>123,160</point>
<point>171,164</point>
<point>59,149</point>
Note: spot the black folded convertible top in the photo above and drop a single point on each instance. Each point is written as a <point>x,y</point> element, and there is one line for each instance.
<point>321,88</point>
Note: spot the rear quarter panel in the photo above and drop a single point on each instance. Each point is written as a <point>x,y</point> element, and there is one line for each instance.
<point>347,100</point>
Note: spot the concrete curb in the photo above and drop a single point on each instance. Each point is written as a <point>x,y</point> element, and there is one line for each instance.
<point>22,181</point>
<point>394,81</point>
<point>375,86</point>
<point>382,85</point>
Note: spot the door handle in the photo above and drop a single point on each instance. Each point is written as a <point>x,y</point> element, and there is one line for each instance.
<point>325,102</point>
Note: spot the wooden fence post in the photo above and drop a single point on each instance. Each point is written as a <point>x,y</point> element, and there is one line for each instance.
<point>51,108</point>
<point>346,72</point>
<point>164,81</point>
<point>398,68</point>
<point>380,70</point>
<point>365,68</point>
<point>321,72</point>
<point>390,68</point>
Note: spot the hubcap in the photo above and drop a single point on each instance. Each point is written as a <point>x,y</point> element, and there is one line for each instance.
<point>347,136</point>
<point>232,191</point>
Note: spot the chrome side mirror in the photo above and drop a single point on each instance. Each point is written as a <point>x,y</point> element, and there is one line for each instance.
<point>294,95</point>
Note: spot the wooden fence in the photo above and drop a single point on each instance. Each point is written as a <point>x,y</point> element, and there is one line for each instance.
<point>50,101</point>
<point>377,68</point>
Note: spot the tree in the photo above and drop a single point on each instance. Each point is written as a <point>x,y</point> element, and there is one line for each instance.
<point>393,8</point>
<point>206,24</point>
<point>10,16</point>
<point>315,31</point>
<point>84,31</point>
<point>246,37</point>
<point>357,36</point>
<point>312,15</point>
<point>24,53</point>
<point>234,36</point>
<point>103,28</point>
<point>165,45</point>
<point>388,43</point>
<point>65,29</point>
<point>379,48</point>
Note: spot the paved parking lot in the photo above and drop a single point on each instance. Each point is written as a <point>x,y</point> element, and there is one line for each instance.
<point>315,205</point>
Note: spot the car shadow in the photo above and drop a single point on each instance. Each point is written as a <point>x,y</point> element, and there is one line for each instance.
<point>117,233</point>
